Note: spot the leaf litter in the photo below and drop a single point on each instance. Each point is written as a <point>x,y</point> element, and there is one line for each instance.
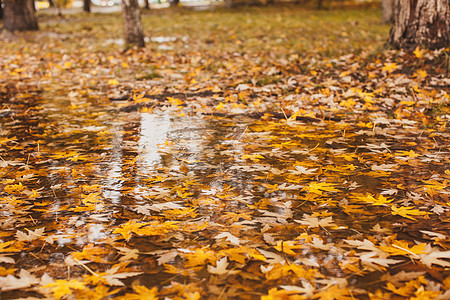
<point>232,163</point>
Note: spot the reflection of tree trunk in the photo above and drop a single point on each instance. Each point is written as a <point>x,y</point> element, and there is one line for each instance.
<point>132,23</point>
<point>424,23</point>
<point>19,15</point>
<point>87,5</point>
<point>387,11</point>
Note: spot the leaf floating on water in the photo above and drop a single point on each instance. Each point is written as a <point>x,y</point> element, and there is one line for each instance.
<point>24,280</point>
<point>220,268</point>
<point>313,222</point>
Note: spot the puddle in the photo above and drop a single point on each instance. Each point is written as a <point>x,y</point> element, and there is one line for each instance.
<point>203,183</point>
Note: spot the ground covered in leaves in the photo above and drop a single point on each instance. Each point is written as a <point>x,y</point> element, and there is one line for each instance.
<point>269,153</point>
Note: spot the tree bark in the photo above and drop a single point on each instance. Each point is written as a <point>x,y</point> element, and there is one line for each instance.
<point>423,23</point>
<point>19,15</point>
<point>387,11</point>
<point>132,23</point>
<point>229,3</point>
<point>319,4</point>
<point>87,6</point>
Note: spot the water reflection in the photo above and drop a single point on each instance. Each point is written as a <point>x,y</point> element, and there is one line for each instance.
<point>113,179</point>
<point>253,181</point>
<point>154,131</point>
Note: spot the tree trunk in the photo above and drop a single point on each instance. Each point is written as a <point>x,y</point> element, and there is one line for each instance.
<point>319,4</point>
<point>423,23</point>
<point>147,4</point>
<point>387,11</point>
<point>1,10</point>
<point>229,3</point>
<point>174,3</point>
<point>19,15</point>
<point>132,23</point>
<point>87,6</point>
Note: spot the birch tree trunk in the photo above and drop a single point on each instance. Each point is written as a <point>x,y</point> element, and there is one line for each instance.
<point>132,23</point>
<point>387,11</point>
<point>424,23</point>
<point>19,15</point>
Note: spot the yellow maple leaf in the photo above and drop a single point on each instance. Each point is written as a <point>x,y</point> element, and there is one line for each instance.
<point>92,253</point>
<point>99,293</point>
<point>408,288</point>
<point>91,188</point>
<point>409,153</point>
<point>5,272</point>
<point>156,228</point>
<point>219,106</point>
<point>334,293</point>
<point>175,101</point>
<point>287,247</point>
<point>128,228</point>
<point>253,157</point>
<point>390,67</point>
<point>91,198</point>
<point>420,74</point>
<point>171,269</point>
<point>422,294</point>
<point>61,288</point>
<point>181,213</point>
<point>435,185</point>
<point>279,271</point>
<point>67,65</point>
<point>406,212</point>
<point>8,247</point>
<point>141,293</point>
<point>402,248</point>
<point>199,257</point>
<point>419,52</point>
<point>348,156</point>
<point>369,198</point>
<point>318,187</point>
<point>276,294</point>
<point>113,82</point>
<point>236,254</point>
<point>14,188</point>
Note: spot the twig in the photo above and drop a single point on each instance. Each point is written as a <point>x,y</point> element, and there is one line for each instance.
<point>86,267</point>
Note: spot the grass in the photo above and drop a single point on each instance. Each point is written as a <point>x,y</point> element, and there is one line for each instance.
<point>268,30</point>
